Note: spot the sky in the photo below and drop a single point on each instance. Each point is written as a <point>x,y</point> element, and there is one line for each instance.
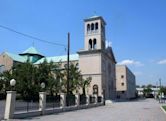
<point>136,30</point>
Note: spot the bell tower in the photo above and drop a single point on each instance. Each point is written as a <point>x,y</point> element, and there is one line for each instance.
<point>94,33</point>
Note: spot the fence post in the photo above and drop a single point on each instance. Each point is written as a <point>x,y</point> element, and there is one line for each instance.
<point>63,100</point>
<point>96,98</point>
<point>87,99</point>
<point>102,99</point>
<point>42,101</point>
<point>10,104</point>
<point>77,99</point>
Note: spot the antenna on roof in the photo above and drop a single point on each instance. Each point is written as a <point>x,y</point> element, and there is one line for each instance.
<point>95,13</point>
<point>33,43</point>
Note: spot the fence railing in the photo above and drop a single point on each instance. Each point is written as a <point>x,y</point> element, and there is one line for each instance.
<point>82,99</point>
<point>26,106</point>
<point>46,102</point>
<point>52,101</point>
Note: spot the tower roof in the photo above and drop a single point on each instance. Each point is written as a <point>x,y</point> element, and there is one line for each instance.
<point>31,51</point>
<point>95,18</point>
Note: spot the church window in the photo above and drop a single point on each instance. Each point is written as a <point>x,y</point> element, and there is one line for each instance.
<point>95,89</point>
<point>90,44</point>
<point>94,44</point>
<point>96,26</point>
<point>88,27</point>
<point>92,26</point>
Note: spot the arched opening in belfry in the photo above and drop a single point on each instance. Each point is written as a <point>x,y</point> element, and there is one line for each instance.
<point>92,26</point>
<point>95,89</point>
<point>94,44</point>
<point>90,44</point>
<point>96,26</point>
<point>88,27</point>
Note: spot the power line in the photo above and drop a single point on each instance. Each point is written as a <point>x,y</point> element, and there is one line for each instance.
<point>32,37</point>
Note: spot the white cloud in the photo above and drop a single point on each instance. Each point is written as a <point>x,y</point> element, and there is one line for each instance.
<point>108,44</point>
<point>130,62</point>
<point>138,73</point>
<point>162,61</point>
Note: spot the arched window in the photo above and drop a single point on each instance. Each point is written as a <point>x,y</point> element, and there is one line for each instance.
<point>95,89</point>
<point>92,26</point>
<point>88,27</point>
<point>96,26</point>
<point>90,44</point>
<point>94,44</point>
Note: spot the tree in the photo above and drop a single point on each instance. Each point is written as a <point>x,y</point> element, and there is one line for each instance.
<point>55,77</point>
<point>27,84</point>
<point>162,90</point>
<point>5,78</point>
<point>74,80</point>
<point>147,91</point>
<point>84,83</point>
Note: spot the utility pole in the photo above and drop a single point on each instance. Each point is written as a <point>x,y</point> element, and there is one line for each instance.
<point>68,59</point>
<point>160,82</point>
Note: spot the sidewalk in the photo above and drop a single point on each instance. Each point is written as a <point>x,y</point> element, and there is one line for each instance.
<point>141,110</point>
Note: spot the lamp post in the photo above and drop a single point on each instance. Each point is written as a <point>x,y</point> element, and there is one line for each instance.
<point>12,83</point>
<point>42,99</point>
<point>42,85</point>
<point>10,101</point>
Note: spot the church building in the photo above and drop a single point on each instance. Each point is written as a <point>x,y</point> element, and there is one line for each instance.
<point>95,60</point>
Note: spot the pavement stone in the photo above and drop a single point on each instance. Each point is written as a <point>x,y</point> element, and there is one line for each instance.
<point>140,110</point>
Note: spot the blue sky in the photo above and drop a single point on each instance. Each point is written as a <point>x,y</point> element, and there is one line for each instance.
<point>135,28</point>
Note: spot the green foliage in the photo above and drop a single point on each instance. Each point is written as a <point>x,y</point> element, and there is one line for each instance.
<point>5,79</point>
<point>74,79</point>
<point>26,77</point>
<point>147,91</point>
<point>164,107</point>
<point>162,90</point>
<point>29,77</point>
<point>84,83</point>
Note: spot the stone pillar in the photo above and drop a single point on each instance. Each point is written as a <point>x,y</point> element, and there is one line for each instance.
<point>42,101</point>
<point>87,99</point>
<point>77,99</point>
<point>63,100</point>
<point>10,104</point>
<point>96,98</point>
<point>102,99</point>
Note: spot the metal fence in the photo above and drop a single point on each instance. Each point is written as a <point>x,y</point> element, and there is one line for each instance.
<point>92,99</point>
<point>70,100</point>
<point>99,99</point>
<point>52,101</point>
<point>82,99</point>
<point>26,104</point>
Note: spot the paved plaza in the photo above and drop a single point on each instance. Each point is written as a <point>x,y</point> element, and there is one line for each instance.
<point>141,110</point>
<point>2,108</point>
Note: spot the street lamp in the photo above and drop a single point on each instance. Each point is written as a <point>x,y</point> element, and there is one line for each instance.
<point>2,78</point>
<point>42,85</point>
<point>12,83</point>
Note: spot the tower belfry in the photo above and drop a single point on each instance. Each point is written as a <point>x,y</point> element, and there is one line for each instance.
<point>95,60</point>
<point>94,33</point>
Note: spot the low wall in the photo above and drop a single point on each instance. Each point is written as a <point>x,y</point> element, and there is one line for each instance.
<point>52,111</point>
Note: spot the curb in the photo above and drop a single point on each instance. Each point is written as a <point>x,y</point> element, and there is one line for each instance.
<point>163,109</point>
